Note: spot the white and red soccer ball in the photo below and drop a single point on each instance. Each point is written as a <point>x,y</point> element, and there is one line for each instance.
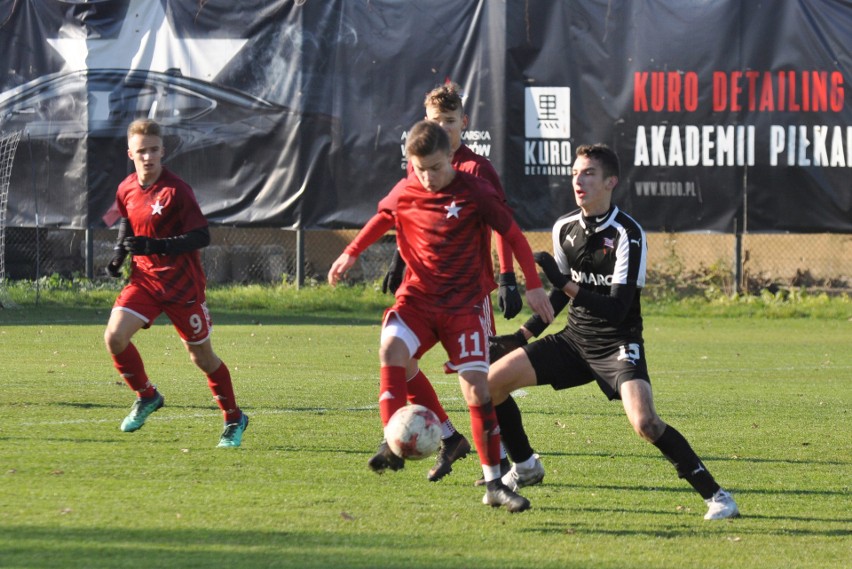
<point>413,432</point>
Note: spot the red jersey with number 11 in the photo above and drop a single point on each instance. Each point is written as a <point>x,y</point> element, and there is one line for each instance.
<point>444,237</point>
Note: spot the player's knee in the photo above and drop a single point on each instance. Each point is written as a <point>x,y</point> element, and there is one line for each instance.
<point>115,343</point>
<point>648,426</point>
<point>500,382</point>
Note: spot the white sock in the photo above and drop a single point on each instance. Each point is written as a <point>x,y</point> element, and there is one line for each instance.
<point>527,464</point>
<point>490,472</point>
<point>447,429</point>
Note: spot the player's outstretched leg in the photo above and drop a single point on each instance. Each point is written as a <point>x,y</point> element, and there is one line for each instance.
<point>384,459</point>
<point>498,494</point>
<point>141,410</point>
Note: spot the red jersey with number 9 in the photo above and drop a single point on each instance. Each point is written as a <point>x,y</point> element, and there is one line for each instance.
<point>166,208</point>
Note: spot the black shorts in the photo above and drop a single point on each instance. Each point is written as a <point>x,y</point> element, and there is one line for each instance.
<point>561,362</point>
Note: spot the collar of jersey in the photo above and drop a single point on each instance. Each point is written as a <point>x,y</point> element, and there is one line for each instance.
<point>602,225</point>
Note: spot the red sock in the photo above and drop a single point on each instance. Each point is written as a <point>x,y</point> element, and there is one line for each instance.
<point>392,391</point>
<point>486,433</point>
<point>132,370</point>
<point>223,392</point>
<point>421,392</point>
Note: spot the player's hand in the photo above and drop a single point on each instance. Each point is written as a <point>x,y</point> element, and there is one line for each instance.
<point>499,346</point>
<point>393,278</point>
<point>141,245</point>
<point>343,263</point>
<point>540,304</point>
<point>551,269</point>
<point>508,296</point>
<point>113,269</point>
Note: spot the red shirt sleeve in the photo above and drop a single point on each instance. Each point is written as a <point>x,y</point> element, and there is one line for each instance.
<point>378,225</point>
<point>524,255</point>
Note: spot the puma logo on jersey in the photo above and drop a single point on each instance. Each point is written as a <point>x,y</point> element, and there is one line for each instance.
<point>636,241</point>
<point>570,239</point>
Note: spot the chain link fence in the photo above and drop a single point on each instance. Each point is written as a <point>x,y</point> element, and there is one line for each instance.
<point>682,263</point>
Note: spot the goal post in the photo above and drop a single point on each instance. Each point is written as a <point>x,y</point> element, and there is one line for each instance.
<point>8,145</point>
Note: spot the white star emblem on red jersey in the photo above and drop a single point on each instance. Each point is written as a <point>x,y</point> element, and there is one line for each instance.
<point>156,208</point>
<point>452,210</point>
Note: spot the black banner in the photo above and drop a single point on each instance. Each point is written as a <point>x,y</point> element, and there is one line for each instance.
<point>726,115</point>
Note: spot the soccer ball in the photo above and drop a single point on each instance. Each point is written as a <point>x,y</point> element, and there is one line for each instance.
<point>413,432</point>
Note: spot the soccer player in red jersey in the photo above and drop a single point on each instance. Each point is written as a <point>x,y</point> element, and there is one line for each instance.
<point>444,105</point>
<point>162,227</point>
<point>443,220</point>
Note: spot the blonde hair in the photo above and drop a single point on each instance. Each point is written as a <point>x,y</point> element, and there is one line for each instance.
<point>144,126</point>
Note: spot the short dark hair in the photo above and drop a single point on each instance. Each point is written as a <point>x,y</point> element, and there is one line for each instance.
<point>603,154</point>
<point>425,138</point>
<point>144,126</point>
<point>447,97</point>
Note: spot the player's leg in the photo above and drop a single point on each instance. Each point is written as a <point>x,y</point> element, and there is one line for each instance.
<point>132,312</point>
<point>638,403</point>
<point>398,347</point>
<point>464,338</point>
<point>453,444</point>
<point>222,387</point>
<point>509,373</point>
<point>486,437</point>
<point>194,325</point>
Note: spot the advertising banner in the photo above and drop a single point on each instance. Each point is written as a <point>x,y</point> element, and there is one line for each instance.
<point>727,116</point>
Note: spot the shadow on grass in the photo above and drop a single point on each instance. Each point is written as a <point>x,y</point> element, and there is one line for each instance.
<point>706,458</point>
<point>94,548</point>
<point>740,526</point>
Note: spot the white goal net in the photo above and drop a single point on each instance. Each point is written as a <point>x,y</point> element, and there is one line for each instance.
<point>8,145</point>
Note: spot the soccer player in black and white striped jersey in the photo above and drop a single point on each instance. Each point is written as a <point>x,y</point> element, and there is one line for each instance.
<point>598,267</point>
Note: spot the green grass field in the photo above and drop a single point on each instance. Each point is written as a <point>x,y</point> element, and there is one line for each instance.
<point>765,402</point>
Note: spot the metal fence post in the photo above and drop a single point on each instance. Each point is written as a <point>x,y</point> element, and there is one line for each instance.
<point>300,258</point>
<point>90,254</point>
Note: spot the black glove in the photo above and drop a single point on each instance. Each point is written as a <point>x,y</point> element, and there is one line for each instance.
<point>499,346</point>
<point>113,269</point>
<point>393,278</point>
<point>551,269</point>
<point>508,296</point>
<point>141,245</point>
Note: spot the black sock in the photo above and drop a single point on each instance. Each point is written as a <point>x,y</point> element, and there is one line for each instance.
<point>676,449</point>
<point>512,431</point>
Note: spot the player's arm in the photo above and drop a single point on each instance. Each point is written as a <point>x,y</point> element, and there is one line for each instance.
<point>508,294</point>
<point>378,225</point>
<point>612,308</point>
<point>536,297</point>
<point>190,241</point>
<point>120,253</point>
